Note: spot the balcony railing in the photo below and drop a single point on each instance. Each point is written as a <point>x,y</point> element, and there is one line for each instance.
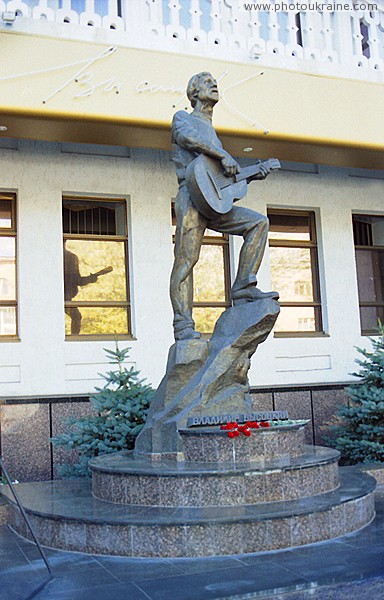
<point>347,42</point>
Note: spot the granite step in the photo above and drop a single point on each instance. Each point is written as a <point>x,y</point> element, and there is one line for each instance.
<point>65,515</point>
<point>124,478</point>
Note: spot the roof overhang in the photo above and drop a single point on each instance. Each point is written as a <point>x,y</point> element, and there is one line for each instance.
<point>89,93</point>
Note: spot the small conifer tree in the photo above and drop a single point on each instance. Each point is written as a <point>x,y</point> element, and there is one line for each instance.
<point>119,413</point>
<point>360,434</point>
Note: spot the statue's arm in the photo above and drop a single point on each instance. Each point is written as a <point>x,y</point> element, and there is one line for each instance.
<point>186,136</point>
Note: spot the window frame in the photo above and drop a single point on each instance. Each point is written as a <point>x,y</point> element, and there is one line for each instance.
<point>11,232</point>
<point>105,303</point>
<point>312,244</point>
<point>221,240</point>
<point>366,248</point>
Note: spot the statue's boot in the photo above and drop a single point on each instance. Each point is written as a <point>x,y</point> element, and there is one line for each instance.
<point>251,294</point>
<point>187,334</point>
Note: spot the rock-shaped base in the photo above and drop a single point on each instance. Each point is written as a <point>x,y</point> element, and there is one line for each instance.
<point>197,384</point>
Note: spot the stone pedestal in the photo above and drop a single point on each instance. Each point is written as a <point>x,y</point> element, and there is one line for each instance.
<point>209,444</point>
<point>224,500</point>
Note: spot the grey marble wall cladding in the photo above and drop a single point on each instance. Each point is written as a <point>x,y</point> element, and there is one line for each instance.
<point>319,404</point>
<point>25,442</point>
<point>60,413</point>
<point>299,406</point>
<point>26,425</point>
<point>325,404</point>
<point>262,401</point>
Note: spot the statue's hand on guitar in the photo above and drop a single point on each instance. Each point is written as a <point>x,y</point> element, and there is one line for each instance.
<point>264,171</point>
<point>213,192</point>
<point>230,165</point>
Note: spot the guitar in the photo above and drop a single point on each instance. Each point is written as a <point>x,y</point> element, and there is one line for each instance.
<point>103,271</point>
<point>212,192</point>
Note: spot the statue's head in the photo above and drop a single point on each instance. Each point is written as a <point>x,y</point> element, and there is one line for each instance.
<point>202,86</point>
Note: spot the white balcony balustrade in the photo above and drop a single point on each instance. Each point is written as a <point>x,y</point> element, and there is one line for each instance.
<point>346,42</point>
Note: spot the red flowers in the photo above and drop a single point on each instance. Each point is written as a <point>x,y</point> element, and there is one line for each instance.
<point>233,429</point>
<point>233,433</point>
<point>228,426</point>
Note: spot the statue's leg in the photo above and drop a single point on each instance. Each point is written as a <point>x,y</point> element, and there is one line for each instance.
<point>75,315</point>
<point>253,227</point>
<point>190,227</point>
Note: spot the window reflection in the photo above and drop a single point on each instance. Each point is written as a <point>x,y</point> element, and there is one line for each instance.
<point>7,320</point>
<point>291,274</point>
<point>205,317</point>
<point>294,270</point>
<point>208,275</point>
<point>292,227</point>
<point>95,268</point>
<point>8,292</point>
<point>96,320</point>
<point>296,318</point>
<point>7,268</point>
<point>368,231</point>
<point>5,214</point>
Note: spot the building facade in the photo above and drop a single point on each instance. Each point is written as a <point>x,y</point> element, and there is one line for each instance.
<point>87,184</point>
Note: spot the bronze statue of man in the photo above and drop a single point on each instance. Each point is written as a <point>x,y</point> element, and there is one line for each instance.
<point>193,134</point>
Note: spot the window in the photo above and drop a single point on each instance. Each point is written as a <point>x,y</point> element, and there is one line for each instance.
<point>211,280</point>
<point>368,234</point>
<point>294,271</point>
<point>8,292</point>
<point>95,268</point>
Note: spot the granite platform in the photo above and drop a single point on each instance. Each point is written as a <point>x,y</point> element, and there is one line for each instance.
<point>124,478</point>
<point>66,515</point>
<point>229,495</point>
<point>345,568</point>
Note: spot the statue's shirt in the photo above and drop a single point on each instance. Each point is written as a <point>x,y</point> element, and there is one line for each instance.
<point>191,136</point>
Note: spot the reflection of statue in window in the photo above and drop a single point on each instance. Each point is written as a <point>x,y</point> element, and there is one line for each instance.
<point>72,281</point>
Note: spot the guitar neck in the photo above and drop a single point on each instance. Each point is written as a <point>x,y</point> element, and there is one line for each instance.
<point>103,271</point>
<point>249,173</point>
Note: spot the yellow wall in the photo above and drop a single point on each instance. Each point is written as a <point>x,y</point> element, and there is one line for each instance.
<point>308,117</point>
